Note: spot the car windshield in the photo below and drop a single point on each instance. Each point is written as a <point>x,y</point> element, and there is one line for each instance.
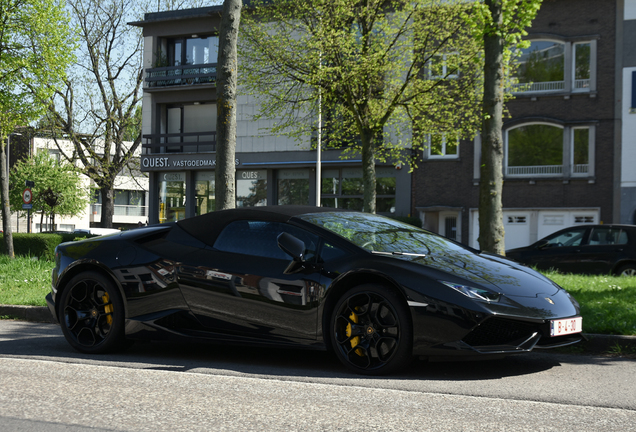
<point>382,234</point>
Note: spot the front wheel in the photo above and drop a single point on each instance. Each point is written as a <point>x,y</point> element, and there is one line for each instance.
<point>627,270</point>
<point>92,314</point>
<point>371,330</point>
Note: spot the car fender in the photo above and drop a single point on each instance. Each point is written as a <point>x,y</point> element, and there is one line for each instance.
<point>80,266</point>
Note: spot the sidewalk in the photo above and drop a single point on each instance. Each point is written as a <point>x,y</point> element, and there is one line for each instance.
<point>596,343</point>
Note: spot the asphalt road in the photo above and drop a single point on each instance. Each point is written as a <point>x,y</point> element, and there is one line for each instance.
<point>47,386</point>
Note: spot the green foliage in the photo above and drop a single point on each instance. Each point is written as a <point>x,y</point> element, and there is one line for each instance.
<point>59,182</point>
<point>371,67</point>
<point>37,245</point>
<point>36,46</point>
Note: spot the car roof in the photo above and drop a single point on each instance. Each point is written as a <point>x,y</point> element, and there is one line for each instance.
<point>208,226</point>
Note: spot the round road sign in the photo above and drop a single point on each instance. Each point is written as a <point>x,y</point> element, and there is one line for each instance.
<point>27,196</point>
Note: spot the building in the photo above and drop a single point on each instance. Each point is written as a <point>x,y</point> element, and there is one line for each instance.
<point>179,131</point>
<point>570,147</point>
<point>130,193</point>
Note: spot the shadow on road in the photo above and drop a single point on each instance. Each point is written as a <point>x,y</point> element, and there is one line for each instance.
<point>45,341</point>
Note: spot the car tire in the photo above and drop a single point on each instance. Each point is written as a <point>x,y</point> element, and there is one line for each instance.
<point>371,331</point>
<point>92,314</point>
<point>627,270</point>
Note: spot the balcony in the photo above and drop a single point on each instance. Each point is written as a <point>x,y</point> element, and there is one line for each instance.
<point>199,142</point>
<point>548,86</point>
<point>535,170</point>
<point>184,75</point>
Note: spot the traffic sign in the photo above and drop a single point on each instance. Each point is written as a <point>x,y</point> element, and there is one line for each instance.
<point>27,196</point>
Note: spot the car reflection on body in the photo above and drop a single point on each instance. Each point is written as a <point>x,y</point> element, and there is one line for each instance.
<point>585,249</point>
<point>373,290</point>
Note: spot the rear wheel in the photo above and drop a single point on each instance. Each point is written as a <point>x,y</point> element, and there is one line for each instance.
<point>371,330</point>
<point>92,314</point>
<point>627,270</point>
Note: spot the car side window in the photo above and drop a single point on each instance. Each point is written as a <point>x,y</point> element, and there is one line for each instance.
<point>607,236</point>
<point>568,238</point>
<point>260,238</point>
<point>329,252</point>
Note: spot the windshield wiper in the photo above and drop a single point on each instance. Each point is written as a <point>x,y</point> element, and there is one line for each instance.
<point>398,253</point>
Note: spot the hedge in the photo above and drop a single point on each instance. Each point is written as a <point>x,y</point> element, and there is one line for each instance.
<point>41,245</point>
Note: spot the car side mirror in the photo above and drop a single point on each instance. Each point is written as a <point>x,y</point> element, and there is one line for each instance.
<point>292,246</point>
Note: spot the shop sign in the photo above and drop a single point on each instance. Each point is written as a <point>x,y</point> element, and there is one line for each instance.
<point>163,162</point>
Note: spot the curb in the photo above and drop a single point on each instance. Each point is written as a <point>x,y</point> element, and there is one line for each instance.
<point>595,343</point>
<point>28,313</point>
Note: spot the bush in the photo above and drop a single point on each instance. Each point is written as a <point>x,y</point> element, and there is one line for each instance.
<point>41,245</point>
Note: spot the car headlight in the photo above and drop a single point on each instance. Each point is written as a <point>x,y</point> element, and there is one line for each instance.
<point>474,293</point>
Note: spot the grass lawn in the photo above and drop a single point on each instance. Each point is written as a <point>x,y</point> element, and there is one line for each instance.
<point>608,303</point>
<point>24,281</point>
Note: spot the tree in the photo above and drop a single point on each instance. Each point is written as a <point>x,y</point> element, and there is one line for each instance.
<point>57,189</point>
<point>388,73</point>
<point>98,106</point>
<point>35,48</point>
<point>226,105</point>
<point>500,24</point>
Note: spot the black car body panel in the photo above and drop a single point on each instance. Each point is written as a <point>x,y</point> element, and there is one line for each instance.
<point>193,278</point>
<point>584,249</point>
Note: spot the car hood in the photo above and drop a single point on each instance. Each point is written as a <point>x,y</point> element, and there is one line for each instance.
<point>491,271</point>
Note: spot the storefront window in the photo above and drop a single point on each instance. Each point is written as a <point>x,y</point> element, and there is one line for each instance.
<point>343,188</point>
<point>205,192</point>
<point>251,188</point>
<point>293,187</point>
<point>172,197</point>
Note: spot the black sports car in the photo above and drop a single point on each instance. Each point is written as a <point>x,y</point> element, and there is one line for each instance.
<point>374,290</point>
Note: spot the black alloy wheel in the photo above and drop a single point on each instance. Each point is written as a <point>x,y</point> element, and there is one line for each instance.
<point>371,330</point>
<point>92,314</point>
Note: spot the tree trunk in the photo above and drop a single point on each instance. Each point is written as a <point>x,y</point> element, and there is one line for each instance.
<point>108,206</point>
<point>491,231</point>
<point>368,171</point>
<point>6,208</point>
<point>227,69</point>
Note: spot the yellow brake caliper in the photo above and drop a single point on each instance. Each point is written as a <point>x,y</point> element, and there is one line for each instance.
<point>108,308</point>
<point>356,340</point>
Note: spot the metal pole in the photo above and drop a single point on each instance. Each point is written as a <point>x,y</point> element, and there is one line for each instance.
<point>319,150</point>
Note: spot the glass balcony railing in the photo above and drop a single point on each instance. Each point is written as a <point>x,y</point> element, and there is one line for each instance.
<point>122,210</point>
<point>181,75</point>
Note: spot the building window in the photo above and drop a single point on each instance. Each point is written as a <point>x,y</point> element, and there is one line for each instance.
<point>544,67</point>
<point>442,146</point>
<point>293,187</point>
<point>343,188</point>
<point>193,51</point>
<point>172,197</point>
<point>251,188</point>
<point>582,66</point>
<point>538,149</point>
<point>205,194</point>
<point>535,149</point>
<point>443,66</point>
<point>130,203</point>
<point>580,151</point>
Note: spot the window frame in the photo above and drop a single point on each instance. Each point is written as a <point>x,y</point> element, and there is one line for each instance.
<point>567,166</point>
<point>443,155</point>
<point>569,65</point>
